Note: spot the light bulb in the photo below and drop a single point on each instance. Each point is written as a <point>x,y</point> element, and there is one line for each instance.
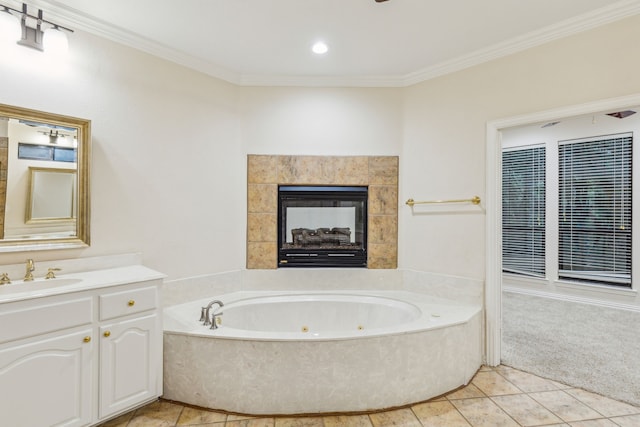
<point>10,29</point>
<point>55,41</point>
<point>320,48</point>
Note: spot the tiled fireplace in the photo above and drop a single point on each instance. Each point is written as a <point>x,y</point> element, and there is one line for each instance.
<point>377,173</point>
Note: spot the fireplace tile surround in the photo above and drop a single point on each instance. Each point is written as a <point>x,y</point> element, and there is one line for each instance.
<point>266,172</point>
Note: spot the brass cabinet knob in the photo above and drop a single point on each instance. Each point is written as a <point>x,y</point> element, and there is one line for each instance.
<point>131,303</point>
<point>107,334</point>
<point>87,339</point>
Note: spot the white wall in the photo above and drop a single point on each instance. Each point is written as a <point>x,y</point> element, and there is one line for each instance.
<point>166,153</point>
<point>322,121</point>
<point>445,128</point>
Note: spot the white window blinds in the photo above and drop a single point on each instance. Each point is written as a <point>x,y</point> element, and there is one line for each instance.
<point>595,209</point>
<point>523,211</point>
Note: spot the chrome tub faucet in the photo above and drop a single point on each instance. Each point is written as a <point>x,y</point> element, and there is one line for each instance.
<point>210,320</point>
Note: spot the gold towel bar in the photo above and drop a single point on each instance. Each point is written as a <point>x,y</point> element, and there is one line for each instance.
<point>475,200</point>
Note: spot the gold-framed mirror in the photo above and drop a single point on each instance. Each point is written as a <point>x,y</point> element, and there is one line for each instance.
<point>44,180</point>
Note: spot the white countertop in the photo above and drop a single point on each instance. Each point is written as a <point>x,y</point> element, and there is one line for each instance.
<point>19,290</point>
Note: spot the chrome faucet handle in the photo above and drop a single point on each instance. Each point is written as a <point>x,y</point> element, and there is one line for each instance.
<point>4,279</point>
<point>215,320</point>
<point>51,273</point>
<point>207,320</point>
<point>202,314</point>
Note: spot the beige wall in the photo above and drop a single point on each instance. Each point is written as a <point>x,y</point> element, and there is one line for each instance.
<point>322,121</point>
<point>170,144</point>
<point>167,172</point>
<point>445,126</point>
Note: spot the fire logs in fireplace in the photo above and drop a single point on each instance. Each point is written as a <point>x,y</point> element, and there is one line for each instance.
<point>321,236</point>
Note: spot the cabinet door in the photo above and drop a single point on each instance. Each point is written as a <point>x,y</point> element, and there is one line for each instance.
<point>130,356</point>
<point>47,382</point>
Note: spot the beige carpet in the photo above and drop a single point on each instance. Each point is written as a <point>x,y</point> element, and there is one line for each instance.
<point>586,346</point>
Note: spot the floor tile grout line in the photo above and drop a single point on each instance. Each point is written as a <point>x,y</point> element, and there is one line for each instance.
<point>573,397</point>
<point>179,415</point>
<point>507,380</point>
<point>456,408</point>
<point>599,395</point>
<point>462,415</point>
<point>516,421</point>
<point>549,409</point>
<point>585,403</point>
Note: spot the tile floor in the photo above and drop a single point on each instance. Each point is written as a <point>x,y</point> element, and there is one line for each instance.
<point>496,397</point>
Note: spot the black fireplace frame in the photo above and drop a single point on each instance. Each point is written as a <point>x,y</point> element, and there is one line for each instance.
<point>315,257</point>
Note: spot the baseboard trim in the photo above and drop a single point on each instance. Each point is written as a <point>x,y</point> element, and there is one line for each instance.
<point>573,298</point>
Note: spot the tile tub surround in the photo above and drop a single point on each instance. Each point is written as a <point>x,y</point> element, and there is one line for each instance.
<point>297,377</point>
<point>266,172</point>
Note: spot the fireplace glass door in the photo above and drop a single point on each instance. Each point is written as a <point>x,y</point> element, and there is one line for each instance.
<point>322,226</point>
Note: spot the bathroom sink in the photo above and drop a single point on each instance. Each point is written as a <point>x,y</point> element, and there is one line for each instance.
<point>22,286</point>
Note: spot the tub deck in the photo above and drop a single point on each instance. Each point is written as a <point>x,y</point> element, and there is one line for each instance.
<point>261,372</point>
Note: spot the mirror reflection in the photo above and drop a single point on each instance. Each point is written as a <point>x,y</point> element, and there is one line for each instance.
<point>44,196</point>
<point>51,199</point>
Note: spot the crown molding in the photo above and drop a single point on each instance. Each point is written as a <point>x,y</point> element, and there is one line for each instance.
<point>78,20</point>
<point>321,81</point>
<point>568,27</point>
<point>89,24</point>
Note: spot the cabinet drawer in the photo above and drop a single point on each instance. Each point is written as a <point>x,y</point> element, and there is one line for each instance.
<point>43,317</point>
<point>128,302</point>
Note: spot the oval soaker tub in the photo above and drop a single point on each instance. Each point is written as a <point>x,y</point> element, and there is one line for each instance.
<point>315,352</point>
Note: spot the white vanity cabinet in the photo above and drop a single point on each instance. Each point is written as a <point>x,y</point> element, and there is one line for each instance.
<point>47,382</point>
<point>130,369</point>
<point>77,358</point>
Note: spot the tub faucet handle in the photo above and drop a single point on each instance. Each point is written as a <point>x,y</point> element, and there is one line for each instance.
<point>207,320</point>
<point>203,314</point>
<point>215,320</point>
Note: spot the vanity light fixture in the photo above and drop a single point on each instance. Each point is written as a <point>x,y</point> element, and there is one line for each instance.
<point>32,35</point>
<point>53,137</point>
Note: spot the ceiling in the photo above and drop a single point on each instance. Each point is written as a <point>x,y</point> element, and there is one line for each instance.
<point>394,43</point>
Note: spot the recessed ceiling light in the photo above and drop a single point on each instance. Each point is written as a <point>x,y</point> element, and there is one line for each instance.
<point>320,48</point>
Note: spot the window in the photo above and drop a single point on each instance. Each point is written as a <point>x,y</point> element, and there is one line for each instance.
<point>589,186</point>
<point>595,209</point>
<point>523,211</point>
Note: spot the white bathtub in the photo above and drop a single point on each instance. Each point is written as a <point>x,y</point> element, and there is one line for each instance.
<point>315,352</point>
<point>317,316</point>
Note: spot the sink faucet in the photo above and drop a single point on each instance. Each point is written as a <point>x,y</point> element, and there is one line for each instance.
<point>204,314</point>
<point>51,273</point>
<point>30,268</point>
<point>4,280</point>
